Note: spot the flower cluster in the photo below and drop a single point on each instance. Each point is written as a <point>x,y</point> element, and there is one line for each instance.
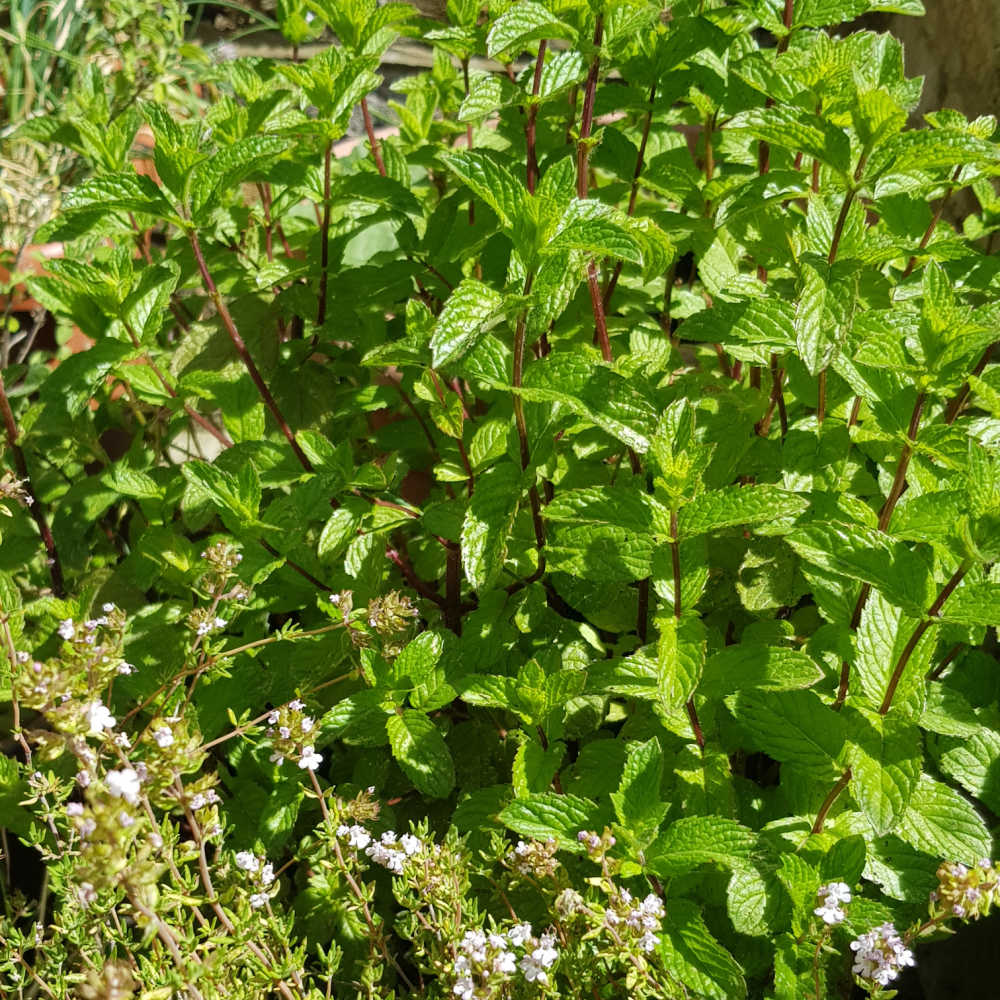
<point>534,858</point>
<point>628,918</point>
<point>14,489</point>
<point>390,851</point>
<point>291,732</point>
<point>486,960</point>
<point>261,872</point>
<point>965,892</point>
<point>831,896</point>
<point>596,846</point>
<point>880,955</point>
<point>223,559</point>
<point>203,622</point>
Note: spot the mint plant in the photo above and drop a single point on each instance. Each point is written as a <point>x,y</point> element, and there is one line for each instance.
<point>548,551</point>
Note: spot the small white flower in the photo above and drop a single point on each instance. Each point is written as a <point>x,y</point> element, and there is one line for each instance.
<point>465,988</point>
<point>258,899</point>
<point>307,724</point>
<point>296,706</point>
<point>267,874</point>
<point>156,840</point>
<point>66,629</point>
<point>410,844</point>
<point>519,934</point>
<point>122,740</point>
<point>505,963</point>
<point>163,736</point>
<point>125,820</point>
<point>310,760</point>
<point>247,861</point>
<point>219,623</point>
<point>648,941</point>
<point>74,808</point>
<point>124,784</point>
<point>277,758</point>
<point>98,718</point>
<point>358,837</point>
<point>83,778</point>
<point>86,893</point>
<point>107,607</point>
<point>125,668</point>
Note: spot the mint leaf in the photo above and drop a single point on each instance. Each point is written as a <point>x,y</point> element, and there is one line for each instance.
<point>421,752</point>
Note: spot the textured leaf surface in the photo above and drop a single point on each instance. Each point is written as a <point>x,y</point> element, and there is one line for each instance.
<point>420,750</point>
<point>940,822</point>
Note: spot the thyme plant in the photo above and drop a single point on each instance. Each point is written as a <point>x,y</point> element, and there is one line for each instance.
<point>547,551</point>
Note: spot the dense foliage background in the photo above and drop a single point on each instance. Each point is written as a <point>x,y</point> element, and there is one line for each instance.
<point>547,548</point>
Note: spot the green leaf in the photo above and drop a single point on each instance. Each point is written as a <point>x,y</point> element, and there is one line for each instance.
<point>812,331</point>
<point>974,762</point>
<point>417,659</point>
<point>791,726</point>
<point>734,505</point>
<point>753,900</point>
<point>867,554</point>
<point>973,604</point>
<point>490,181</point>
<point>469,312</point>
<point>883,634</point>
<point>593,228</point>
<point>522,24</point>
<point>72,384</point>
<point>680,655</point>
<point>885,765</point>
<point>637,802</point>
<point>131,482</point>
<point>534,768</point>
<point>845,861</point>
<point>595,392</point>
<point>421,752</point>
<point>696,958</point>
<point>488,522</point>
<point>940,822</point>
<point>749,666</point>
<point>700,840</point>
<point>549,815</point>
<point>223,172</point>
<point>795,130</point>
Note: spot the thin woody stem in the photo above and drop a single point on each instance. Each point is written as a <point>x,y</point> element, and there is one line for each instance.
<point>530,127</point>
<point>929,231</point>
<point>241,350</point>
<point>955,406</point>
<point>634,192</point>
<point>885,517</point>
<point>935,609</point>
<point>372,141</point>
<point>37,512</point>
<point>675,558</point>
<point>842,782</point>
<point>520,331</point>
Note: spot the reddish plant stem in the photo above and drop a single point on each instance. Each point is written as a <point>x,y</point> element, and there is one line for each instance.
<point>241,350</point>
<point>587,116</point>
<point>855,410</point>
<point>265,204</point>
<point>929,231</point>
<point>206,425</point>
<point>935,609</point>
<point>530,127</point>
<point>934,674</point>
<point>453,588</point>
<point>842,782</point>
<point>903,465</point>
<point>396,556</point>
<point>517,381</point>
<point>885,517</point>
<point>295,567</point>
<point>634,192</point>
<point>21,465</point>
<point>821,397</point>
<point>777,399</point>
<point>372,141</point>
<point>324,230</point>
<point>955,406</point>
